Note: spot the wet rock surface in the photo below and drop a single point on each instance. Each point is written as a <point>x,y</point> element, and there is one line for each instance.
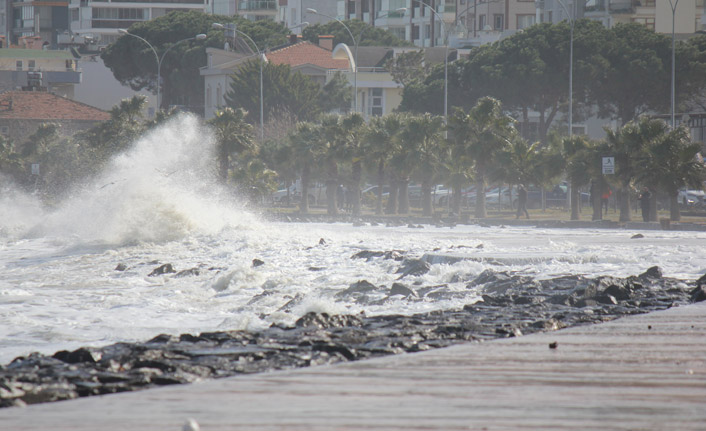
<point>512,305</point>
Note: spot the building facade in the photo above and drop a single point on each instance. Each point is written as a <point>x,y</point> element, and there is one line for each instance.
<point>654,14</point>
<point>96,23</point>
<point>54,71</point>
<point>293,13</point>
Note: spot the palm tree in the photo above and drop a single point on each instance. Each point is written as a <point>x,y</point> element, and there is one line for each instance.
<point>332,141</point>
<point>305,145</point>
<point>353,150</point>
<point>671,161</point>
<point>625,144</point>
<point>578,155</point>
<point>422,137</point>
<point>381,137</point>
<point>233,135</point>
<point>483,133</point>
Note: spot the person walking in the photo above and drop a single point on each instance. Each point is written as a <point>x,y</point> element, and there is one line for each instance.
<point>644,199</point>
<point>521,201</point>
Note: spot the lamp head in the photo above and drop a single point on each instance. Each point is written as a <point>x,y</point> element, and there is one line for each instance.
<point>218,26</point>
<point>310,10</point>
<point>200,36</point>
<point>123,31</point>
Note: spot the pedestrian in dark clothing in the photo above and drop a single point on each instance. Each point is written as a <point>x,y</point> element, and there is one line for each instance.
<point>644,199</point>
<point>522,201</point>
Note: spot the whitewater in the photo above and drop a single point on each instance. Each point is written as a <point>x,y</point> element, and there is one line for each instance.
<point>78,274</point>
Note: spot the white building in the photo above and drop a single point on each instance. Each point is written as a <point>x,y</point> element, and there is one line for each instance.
<point>98,21</point>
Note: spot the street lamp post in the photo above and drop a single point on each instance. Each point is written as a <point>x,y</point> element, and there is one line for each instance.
<point>260,55</point>
<point>571,64</point>
<point>446,60</point>
<point>160,59</point>
<point>355,55</point>
<point>673,5</point>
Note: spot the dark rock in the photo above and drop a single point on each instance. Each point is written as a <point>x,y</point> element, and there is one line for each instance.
<point>370,254</point>
<point>553,345</point>
<point>188,272</point>
<point>322,241</point>
<point>413,267</point>
<point>401,289</point>
<point>315,268</point>
<point>361,286</point>
<point>324,321</point>
<point>652,273</point>
<point>257,262</point>
<point>121,267</point>
<point>161,270</point>
<point>701,280</point>
<point>512,305</point>
<point>637,236</point>
<point>698,294</point>
<point>78,356</point>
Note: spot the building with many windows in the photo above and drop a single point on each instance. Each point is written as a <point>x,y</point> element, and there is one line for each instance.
<point>96,23</point>
<point>655,14</point>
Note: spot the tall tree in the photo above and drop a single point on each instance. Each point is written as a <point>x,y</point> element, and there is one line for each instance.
<point>284,90</point>
<point>233,135</point>
<point>133,63</point>
<point>364,33</point>
<point>624,145</point>
<point>638,78</point>
<point>422,138</point>
<point>484,131</point>
<point>305,142</point>
<point>382,137</point>
<point>671,162</point>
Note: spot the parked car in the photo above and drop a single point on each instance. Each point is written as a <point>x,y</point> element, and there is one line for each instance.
<point>293,195</point>
<point>691,198</point>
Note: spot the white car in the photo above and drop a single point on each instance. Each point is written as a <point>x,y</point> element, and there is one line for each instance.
<point>691,198</point>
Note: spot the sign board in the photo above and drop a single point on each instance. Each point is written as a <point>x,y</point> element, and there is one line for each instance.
<point>35,168</point>
<point>608,165</point>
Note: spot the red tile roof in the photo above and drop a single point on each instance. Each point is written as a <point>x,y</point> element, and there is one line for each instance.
<point>306,53</point>
<point>37,105</point>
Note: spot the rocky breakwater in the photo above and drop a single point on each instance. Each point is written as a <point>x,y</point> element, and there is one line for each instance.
<point>512,305</point>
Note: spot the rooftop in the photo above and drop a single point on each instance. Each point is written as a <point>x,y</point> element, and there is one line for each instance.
<point>37,105</point>
<point>305,52</point>
<point>35,53</point>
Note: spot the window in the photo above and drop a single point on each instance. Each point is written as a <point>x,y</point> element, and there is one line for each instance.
<point>415,32</point>
<point>578,129</point>
<point>293,17</point>
<point>524,21</point>
<point>69,65</point>
<point>218,96</point>
<point>209,102</point>
<point>18,64</point>
<point>481,22</point>
<point>647,22</point>
<point>498,22</point>
<point>30,65</point>
<point>74,14</point>
<point>376,102</point>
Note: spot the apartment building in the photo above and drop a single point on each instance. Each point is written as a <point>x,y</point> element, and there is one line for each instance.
<point>97,22</point>
<point>27,18</point>
<point>294,12</point>
<point>655,14</point>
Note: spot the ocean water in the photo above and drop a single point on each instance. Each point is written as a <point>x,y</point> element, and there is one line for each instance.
<point>160,203</point>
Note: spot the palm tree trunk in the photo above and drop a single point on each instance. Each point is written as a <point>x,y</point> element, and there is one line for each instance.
<point>304,204</point>
<point>381,183</point>
<point>596,203</point>
<point>575,201</point>
<point>355,186</point>
<point>426,198</point>
<point>674,214</point>
<point>480,192</point>
<point>456,203</point>
<point>653,205</point>
<point>403,196</point>
<point>392,199</point>
<point>624,202</point>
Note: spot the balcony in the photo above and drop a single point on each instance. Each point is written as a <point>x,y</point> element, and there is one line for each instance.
<point>257,5</point>
<point>622,6</point>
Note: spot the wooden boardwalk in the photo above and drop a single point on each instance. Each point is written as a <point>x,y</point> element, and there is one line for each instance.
<point>639,373</point>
